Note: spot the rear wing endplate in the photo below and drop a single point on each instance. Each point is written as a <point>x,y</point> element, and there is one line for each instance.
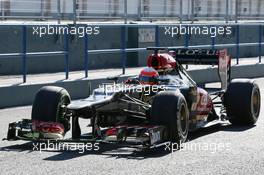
<point>206,57</point>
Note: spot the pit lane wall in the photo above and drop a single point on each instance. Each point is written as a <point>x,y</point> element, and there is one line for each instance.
<point>19,95</point>
<point>108,38</point>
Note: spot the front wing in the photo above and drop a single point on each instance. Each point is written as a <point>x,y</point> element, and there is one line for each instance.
<point>139,136</point>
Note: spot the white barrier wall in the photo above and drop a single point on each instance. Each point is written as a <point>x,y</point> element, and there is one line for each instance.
<point>21,6</point>
<point>161,8</point>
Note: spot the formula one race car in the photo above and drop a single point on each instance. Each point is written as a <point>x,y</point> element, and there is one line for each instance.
<point>162,104</point>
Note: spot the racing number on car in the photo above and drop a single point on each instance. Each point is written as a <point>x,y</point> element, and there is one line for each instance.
<point>204,100</point>
<point>201,101</point>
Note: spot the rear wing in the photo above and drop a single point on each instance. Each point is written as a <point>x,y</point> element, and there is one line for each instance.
<point>202,57</point>
<point>195,56</point>
<point>206,57</point>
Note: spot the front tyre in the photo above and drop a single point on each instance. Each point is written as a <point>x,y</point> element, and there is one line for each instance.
<point>170,109</point>
<point>242,101</point>
<point>50,106</point>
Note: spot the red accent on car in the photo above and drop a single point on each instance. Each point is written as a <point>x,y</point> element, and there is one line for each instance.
<point>205,103</point>
<point>111,131</point>
<point>161,61</point>
<point>114,130</point>
<point>47,127</point>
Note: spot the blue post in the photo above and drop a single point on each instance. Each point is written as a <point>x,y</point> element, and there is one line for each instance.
<point>186,40</point>
<point>186,44</point>
<point>157,44</point>
<point>237,44</point>
<point>213,41</point>
<point>260,41</point>
<point>213,44</point>
<point>24,53</point>
<point>86,55</point>
<point>123,47</point>
<point>66,49</point>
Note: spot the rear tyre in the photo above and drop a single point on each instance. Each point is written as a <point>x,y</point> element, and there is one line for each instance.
<point>242,102</point>
<point>170,109</point>
<point>50,105</point>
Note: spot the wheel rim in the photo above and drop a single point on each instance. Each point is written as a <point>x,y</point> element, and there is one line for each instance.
<point>255,106</point>
<point>183,119</point>
<point>62,105</point>
<point>64,101</point>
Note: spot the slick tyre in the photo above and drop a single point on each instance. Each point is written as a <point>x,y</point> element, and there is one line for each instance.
<point>49,105</point>
<point>242,102</point>
<point>170,109</point>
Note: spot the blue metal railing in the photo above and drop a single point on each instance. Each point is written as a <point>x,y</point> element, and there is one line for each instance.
<point>123,50</point>
<point>66,53</point>
<point>24,54</point>
<point>260,41</point>
<point>24,51</point>
<point>123,47</point>
<point>86,55</point>
<point>213,44</point>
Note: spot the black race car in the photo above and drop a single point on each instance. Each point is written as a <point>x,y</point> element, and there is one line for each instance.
<point>163,104</point>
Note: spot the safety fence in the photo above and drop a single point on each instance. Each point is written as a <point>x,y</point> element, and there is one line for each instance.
<point>181,10</point>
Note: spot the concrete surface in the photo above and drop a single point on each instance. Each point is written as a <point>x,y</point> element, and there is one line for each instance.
<point>13,80</point>
<point>242,153</point>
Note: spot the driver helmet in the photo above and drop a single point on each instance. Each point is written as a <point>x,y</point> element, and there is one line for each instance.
<point>148,76</point>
